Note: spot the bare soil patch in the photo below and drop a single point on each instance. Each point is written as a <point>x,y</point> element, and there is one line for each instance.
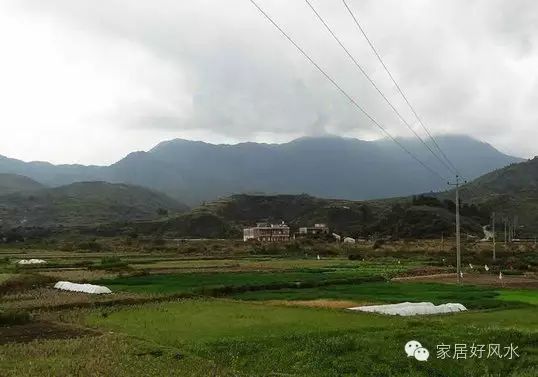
<point>49,298</point>
<point>42,330</point>
<point>79,275</point>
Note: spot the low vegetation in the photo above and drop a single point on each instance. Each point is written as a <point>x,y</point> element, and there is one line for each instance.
<point>23,281</point>
<point>222,308</point>
<point>256,340</point>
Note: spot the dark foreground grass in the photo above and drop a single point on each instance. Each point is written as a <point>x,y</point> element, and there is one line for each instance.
<point>473,297</point>
<point>252,339</point>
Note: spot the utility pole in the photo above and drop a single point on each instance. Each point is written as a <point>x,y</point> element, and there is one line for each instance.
<point>510,230</point>
<point>515,226</point>
<point>493,231</point>
<point>504,219</point>
<point>458,245</point>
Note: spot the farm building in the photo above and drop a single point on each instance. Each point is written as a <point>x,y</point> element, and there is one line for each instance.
<point>316,229</point>
<point>267,233</point>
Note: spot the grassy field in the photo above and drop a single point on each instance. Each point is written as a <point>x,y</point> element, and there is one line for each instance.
<point>252,316</point>
<point>473,297</point>
<point>197,282</point>
<point>106,355</point>
<point>224,337</point>
<point>256,339</point>
<point>527,296</point>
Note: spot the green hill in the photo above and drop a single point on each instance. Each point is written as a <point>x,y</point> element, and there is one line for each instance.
<point>401,218</point>
<point>14,183</point>
<point>85,203</point>
<point>194,224</point>
<point>511,191</point>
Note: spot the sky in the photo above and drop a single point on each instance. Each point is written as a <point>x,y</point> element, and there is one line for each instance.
<point>89,81</point>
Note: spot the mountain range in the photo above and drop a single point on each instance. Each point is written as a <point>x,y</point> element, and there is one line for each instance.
<point>128,209</point>
<point>333,167</point>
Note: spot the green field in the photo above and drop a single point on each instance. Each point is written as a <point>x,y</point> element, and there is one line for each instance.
<point>228,338</point>
<point>256,339</point>
<point>527,296</point>
<point>197,282</point>
<point>309,273</point>
<point>473,297</point>
<point>257,316</point>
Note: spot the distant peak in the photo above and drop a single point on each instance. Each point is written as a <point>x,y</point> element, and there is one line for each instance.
<point>324,138</point>
<point>175,142</point>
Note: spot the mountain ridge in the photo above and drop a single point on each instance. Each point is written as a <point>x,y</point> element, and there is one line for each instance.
<point>12,183</point>
<point>329,166</point>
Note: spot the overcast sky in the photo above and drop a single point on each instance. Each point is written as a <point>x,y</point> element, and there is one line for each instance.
<point>88,81</point>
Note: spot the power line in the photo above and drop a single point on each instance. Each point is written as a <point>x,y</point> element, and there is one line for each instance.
<point>365,74</point>
<point>419,119</point>
<point>458,232</point>
<point>343,92</point>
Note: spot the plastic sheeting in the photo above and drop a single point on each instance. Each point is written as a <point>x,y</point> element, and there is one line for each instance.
<point>84,288</point>
<point>412,308</point>
<point>31,261</point>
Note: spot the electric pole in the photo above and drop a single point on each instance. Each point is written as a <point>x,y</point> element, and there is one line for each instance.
<point>513,227</point>
<point>504,219</point>
<point>493,231</point>
<point>458,245</point>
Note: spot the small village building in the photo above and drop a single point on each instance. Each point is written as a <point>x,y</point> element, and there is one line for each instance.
<point>349,240</point>
<point>265,232</point>
<point>314,230</point>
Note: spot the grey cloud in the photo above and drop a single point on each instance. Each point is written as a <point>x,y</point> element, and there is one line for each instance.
<point>457,60</point>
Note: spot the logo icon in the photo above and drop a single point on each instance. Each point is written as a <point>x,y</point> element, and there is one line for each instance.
<point>415,349</point>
